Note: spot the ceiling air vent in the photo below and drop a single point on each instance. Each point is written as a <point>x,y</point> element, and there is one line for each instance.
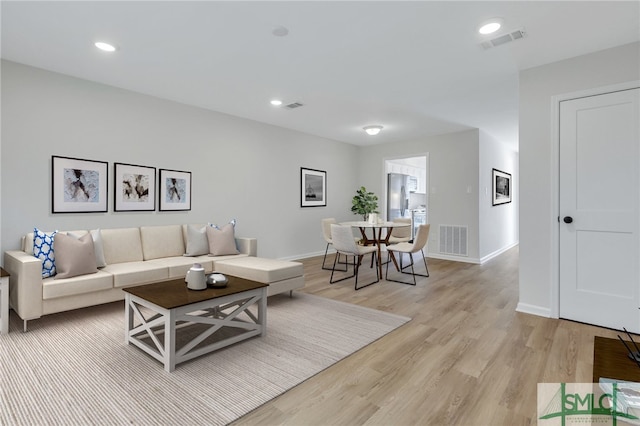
<point>504,39</point>
<point>294,105</point>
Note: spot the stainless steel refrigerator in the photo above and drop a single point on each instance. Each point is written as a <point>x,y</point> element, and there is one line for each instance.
<point>397,196</point>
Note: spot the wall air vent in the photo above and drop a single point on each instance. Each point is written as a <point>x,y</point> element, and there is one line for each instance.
<point>504,39</point>
<point>294,105</point>
<point>453,240</point>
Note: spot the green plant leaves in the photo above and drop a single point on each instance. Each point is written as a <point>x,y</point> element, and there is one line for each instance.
<point>364,202</point>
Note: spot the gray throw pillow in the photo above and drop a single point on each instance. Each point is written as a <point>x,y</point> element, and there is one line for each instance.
<point>74,256</point>
<point>222,241</point>
<point>197,243</point>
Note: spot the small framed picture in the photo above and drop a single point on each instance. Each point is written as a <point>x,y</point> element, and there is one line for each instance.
<point>175,190</point>
<point>313,188</point>
<point>134,188</point>
<point>78,186</point>
<point>501,187</point>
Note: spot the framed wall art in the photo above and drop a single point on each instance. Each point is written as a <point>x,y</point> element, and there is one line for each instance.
<point>78,186</point>
<point>313,188</point>
<point>134,188</point>
<point>175,190</point>
<point>502,190</point>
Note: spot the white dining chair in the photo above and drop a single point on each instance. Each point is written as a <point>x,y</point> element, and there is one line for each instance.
<point>344,243</point>
<point>326,233</point>
<point>419,242</point>
<point>401,234</point>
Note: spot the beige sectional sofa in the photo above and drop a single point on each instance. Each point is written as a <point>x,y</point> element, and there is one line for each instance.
<point>133,256</point>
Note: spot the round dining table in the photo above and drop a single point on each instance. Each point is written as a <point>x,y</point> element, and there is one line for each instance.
<point>376,235</point>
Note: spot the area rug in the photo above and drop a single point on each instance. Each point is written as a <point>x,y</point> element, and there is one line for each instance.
<point>75,368</point>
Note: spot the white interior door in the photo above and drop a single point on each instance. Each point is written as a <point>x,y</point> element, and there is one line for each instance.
<point>599,210</point>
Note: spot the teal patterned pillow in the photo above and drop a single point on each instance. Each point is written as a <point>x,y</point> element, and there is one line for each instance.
<point>43,250</point>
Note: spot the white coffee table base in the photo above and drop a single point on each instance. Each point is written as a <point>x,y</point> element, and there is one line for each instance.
<point>216,313</point>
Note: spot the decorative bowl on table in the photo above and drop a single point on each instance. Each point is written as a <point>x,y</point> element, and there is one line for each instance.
<point>217,280</point>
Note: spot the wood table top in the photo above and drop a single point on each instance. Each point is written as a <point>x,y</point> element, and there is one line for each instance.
<point>174,293</point>
<point>610,360</point>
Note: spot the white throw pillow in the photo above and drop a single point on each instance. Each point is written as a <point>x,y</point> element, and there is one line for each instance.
<point>101,261</point>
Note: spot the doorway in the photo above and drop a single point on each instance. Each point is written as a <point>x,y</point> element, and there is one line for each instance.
<point>416,170</point>
<point>599,209</point>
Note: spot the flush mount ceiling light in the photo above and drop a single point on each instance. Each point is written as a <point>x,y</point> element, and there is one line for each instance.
<point>490,26</point>
<point>276,102</point>
<point>106,47</point>
<point>372,130</point>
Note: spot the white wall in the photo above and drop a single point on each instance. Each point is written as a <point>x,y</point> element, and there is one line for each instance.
<point>498,224</point>
<point>453,166</point>
<point>538,189</point>
<point>1,247</point>
<point>240,168</point>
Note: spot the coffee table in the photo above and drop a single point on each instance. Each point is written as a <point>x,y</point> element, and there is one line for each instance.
<point>157,314</point>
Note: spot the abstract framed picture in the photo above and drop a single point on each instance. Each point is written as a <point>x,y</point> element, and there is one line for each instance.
<point>313,188</point>
<point>134,188</point>
<point>78,186</point>
<point>175,190</point>
<point>502,190</point>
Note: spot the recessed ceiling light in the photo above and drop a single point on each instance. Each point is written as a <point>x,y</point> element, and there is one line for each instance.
<point>276,102</point>
<point>105,46</point>
<point>490,26</point>
<point>280,31</point>
<point>372,130</point>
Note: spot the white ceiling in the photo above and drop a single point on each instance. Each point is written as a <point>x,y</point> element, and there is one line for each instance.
<point>414,67</point>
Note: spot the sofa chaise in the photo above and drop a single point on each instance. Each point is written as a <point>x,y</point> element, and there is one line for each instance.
<point>134,256</point>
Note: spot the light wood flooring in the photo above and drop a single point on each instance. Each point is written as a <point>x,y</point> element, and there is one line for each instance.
<point>466,357</point>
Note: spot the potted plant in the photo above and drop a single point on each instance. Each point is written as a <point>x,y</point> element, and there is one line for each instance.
<point>364,203</point>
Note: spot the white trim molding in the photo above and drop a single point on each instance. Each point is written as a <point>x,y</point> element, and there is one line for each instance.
<point>554,215</point>
<point>498,252</point>
<point>540,311</point>
<point>474,260</point>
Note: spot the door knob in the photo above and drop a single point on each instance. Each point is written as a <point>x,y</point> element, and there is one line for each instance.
<point>567,219</point>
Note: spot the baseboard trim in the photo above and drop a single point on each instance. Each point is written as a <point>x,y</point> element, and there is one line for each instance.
<point>498,252</point>
<point>540,311</point>
<point>453,258</point>
<point>306,255</point>
<point>440,256</point>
